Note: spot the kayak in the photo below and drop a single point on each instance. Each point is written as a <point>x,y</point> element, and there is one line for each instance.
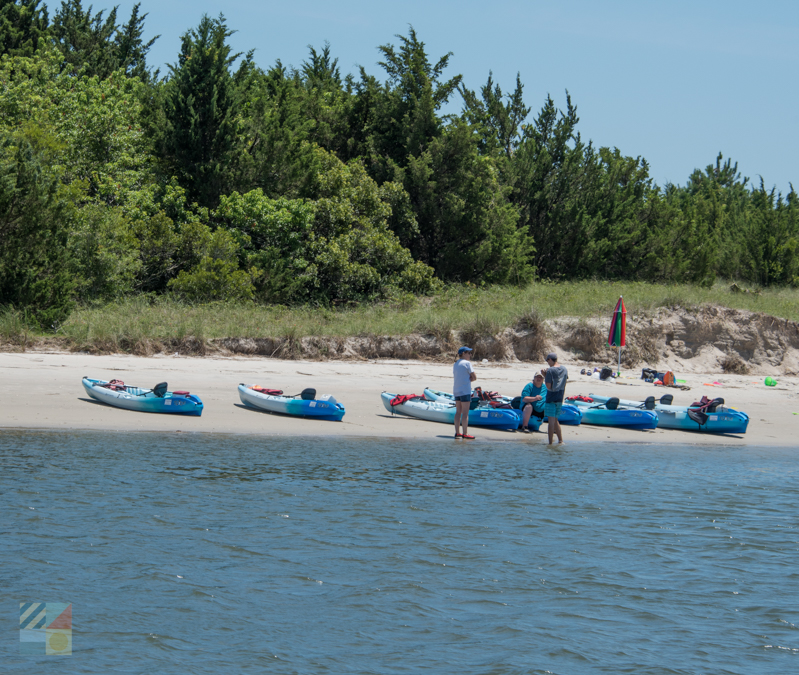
<point>322,408</point>
<point>441,411</point>
<point>598,415</point>
<point>155,400</point>
<point>721,421</point>
<point>569,414</point>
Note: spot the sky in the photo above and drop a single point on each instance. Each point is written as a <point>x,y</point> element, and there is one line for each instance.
<point>673,82</point>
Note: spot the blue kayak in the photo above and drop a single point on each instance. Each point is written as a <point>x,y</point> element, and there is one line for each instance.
<point>719,420</point>
<point>155,400</point>
<point>569,414</point>
<point>602,415</point>
<point>444,411</point>
<point>322,408</point>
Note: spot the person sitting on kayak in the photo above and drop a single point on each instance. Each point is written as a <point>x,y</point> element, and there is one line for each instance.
<point>534,396</point>
<point>463,372</point>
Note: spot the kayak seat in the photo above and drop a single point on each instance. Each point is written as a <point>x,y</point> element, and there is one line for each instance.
<point>308,394</point>
<point>649,403</point>
<point>160,389</point>
<point>612,403</point>
<point>666,399</point>
<point>699,417</point>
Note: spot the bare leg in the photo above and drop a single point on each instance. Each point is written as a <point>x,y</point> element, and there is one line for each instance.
<point>558,432</point>
<point>551,428</point>
<point>465,416</point>
<point>528,410</point>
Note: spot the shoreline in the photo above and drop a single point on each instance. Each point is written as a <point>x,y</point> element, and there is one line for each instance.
<point>43,392</point>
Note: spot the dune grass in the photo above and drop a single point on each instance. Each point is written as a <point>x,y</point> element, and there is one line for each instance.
<point>487,310</point>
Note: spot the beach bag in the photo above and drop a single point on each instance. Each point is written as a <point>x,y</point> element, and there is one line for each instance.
<point>605,374</point>
<point>668,378</point>
<point>649,374</point>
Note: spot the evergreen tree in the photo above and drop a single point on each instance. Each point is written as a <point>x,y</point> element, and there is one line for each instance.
<point>34,270</point>
<point>22,24</point>
<point>86,39</point>
<point>131,49</point>
<point>198,140</point>
<point>498,122</point>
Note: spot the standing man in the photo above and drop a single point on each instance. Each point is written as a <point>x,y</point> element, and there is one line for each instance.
<point>555,378</point>
<point>463,372</point>
<point>534,397</point>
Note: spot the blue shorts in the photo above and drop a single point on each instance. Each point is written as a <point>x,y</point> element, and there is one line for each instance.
<point>552,410</point>
<point>466,398</point>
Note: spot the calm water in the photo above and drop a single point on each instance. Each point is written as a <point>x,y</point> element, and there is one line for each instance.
<point>221,554</point>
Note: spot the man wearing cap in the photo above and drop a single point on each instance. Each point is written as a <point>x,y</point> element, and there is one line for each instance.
<point>463,372</point>
<point>534,398</point>
<point>555,378</point>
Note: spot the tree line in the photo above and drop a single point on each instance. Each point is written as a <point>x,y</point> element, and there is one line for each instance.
<point>221,179</point>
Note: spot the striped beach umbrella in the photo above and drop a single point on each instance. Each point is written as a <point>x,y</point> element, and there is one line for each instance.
<point>618,328</point>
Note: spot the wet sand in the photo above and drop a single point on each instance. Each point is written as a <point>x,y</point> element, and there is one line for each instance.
<point>42,390</point>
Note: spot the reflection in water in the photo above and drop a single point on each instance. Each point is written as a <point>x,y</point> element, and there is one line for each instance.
<point>222,554</point>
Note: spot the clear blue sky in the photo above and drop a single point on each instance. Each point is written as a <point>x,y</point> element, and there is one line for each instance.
<point>675,82</point>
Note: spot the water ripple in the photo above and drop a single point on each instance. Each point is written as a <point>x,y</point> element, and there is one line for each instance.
<point>221,554</point>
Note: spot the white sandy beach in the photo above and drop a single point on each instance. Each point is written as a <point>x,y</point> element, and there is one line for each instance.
<point>42,390</point>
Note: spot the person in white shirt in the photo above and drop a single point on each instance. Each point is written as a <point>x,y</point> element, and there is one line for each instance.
<point>464,375</point>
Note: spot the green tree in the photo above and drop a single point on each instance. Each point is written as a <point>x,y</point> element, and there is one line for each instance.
<point>335,248</point>
<point>22,24</point>
<point>467,227</point>
<point>85,39</point>
<point>34,263</point>
<point>198,141</point>
<point>496,118</point>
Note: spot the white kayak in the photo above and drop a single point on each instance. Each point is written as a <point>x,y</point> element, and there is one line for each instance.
<point>439,411</point>
<point>323,408</point>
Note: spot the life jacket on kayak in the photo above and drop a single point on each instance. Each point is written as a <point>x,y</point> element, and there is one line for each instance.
<point>584,399</point>
<point>706,405</point>
<point>268,392</point>
<point>399,399</point>
<point>115,385</point>
<point>481,395</point>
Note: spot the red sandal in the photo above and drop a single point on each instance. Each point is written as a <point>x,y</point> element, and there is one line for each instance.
<point>468,437</point>
<point>458,435</point>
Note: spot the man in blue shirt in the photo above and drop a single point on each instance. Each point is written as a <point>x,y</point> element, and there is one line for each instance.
<point>463,374</point>
<point>534,396</point>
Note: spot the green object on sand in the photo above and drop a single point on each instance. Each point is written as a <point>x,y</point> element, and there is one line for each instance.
<point>681,381</point>
<point>771,382</point>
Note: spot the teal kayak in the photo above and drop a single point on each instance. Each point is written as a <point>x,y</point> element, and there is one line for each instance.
<point>444,412</point>
<point>604,415</point>
<point>156,400</point>
<point>569,414</point>
<point>322,408</point>
<point>715,420</point>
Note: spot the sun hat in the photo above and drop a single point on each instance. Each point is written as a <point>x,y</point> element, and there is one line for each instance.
<point>464,349</point>
<point>552,356</point>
